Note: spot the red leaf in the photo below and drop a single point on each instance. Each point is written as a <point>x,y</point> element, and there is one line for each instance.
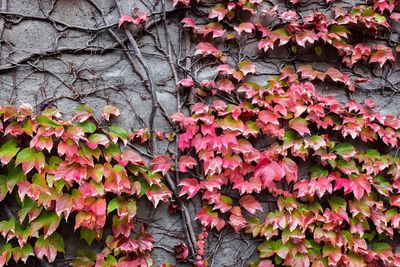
<point>205,48</point>
<point>132,157</point>
<point>361,80</point>
<point>125,19</point>
<point>250,204</point>
<point>300,125</point>
<point>306,36</point>
<point>30,158</point>
<point>219,11</point>
<point>253,185</point>
<point>383,5</point>
<point>395,16</point>
<point>236,220</point>
<point>188,23</point>
<point>49,247</point>
<point>267,116</point>
<point>116,179</point>
<point>381,56</point>
<point>145,241</point>
<point>209,218</point>
<point>157,194</point>
<point>188,83</point>
<point>162,163</point>
<point>64,205</point>
<point>245,26</point>
<point>71,173</point>
<point>290,168</point>
<point>110,110</point>
<point>225,85</point>
<point>247,67</point>
<point>68,148</point>
<point>215,28</point>
<point>268,172</point>
<point>184,2</point>
<point>356,185</point>
<point>186,162</point>
<point>225,69</point>
<point>289,15</point>
<point>96,139</point>
<point>181,252</point>
<point>190,186</point>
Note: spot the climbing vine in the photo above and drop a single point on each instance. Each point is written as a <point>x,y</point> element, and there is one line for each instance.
<point>313,180</point>
<point>55,169</point>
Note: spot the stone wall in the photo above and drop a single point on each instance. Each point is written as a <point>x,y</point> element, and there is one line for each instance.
<point>65,52</point>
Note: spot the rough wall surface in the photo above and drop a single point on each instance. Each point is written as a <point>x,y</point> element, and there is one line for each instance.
<point>65,52</point>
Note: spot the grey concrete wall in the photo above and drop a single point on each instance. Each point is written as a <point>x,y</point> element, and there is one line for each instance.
<point>64,52</point>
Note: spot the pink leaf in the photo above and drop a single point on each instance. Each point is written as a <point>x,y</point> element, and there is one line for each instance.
<point>268,171</point>
<point>190,186</point>
<point>289,15</point>
<point>290,168</point>
<point>188,23</point>
<point>267,116</point>
<point>188,83</point>
<point>110,110</point>
<point>300,125</point>
<point>125,19</point>
<point>205,48</point>
<point>181,252</point>
<point>161,163</point>
<point>247,67</point>
<point>245,26</point>
<point>186,162</point>
<point>226,85</point>
<point>250,204</point>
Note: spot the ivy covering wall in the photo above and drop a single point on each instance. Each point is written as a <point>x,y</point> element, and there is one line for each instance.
<point>156,131</point>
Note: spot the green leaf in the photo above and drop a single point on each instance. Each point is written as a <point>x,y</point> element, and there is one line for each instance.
<point>49,246</point>
<point>88,235</point>
<point>27,207</point>
<point>14,176</point>
<point>113,205</point>
<point>84,108</point>
<point>87,126</point>
<point>339,29</point>
<point>318,171</point>
<point>22,253</point>
<point>30,158</point>
<point>3,187</point>
<point>49,221</point>
<point>7,226</point>
<point>347,167</point>
<point>356,260</point>
<point>117,132</point>
<point>344,149</point>
<point>337,203</point>
<point>381,247</point>
<point>111,151</point>
<point>318,50</point>
<point>28,128</point>
<point>289,137</point>
<point>8,151</point>
<point>6,252</point>
<point>281,32</point>
<point>373,153</point>
<point>47,122</point>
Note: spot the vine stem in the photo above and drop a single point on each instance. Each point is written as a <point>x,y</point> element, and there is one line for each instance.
<point>149,81</point>
<point>3,8</point>
<point>186,215</point>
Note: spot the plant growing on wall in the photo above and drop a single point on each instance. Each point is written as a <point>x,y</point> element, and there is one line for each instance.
<point>313,180</point>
